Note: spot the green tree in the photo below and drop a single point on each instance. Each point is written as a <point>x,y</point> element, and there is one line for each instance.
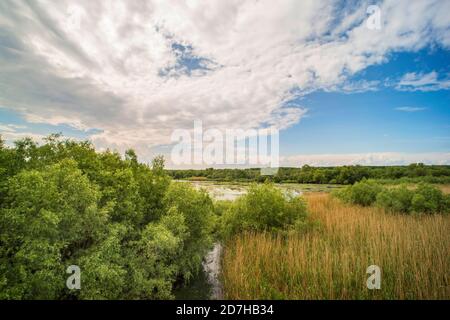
<point>197,210</point>
<point>263,208</point>
<point>52,213</point>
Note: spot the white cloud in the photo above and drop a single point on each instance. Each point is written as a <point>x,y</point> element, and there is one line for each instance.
<point>410,109</point>
<point>7,127</point>
<point>98,64</point>
<point>357,86</point>
<point>11,136</point>
<point>423,82</point>
<point>331,160</point>
<point>369,159</point>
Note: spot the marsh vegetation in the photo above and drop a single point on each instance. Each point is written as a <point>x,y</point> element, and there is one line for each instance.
<point>136,233</point>
<point>330,262</point>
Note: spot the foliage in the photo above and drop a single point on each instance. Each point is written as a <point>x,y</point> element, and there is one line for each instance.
<point>424,199</point>
<point>325,175</point>
<point>132,233</point>
<point>363,193</point>
<point>396,199</point>
<point>197,208</point>
<point>263,208</point>
<point>429,199</point>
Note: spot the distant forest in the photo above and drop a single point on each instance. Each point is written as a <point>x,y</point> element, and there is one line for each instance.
<point>416,172</point>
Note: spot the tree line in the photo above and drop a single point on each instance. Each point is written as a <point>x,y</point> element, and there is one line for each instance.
<point>325,175</point>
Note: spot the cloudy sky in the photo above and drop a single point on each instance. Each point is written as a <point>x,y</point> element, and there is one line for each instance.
<point>127,73</point>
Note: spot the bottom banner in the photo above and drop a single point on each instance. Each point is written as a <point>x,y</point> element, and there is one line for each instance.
<point>223,309</point>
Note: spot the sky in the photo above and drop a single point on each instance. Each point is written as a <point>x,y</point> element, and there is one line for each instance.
<point>126,74</point>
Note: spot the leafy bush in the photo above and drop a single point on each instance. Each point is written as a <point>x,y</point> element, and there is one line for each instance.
<point>424,199</point>
<point>197,209</point>
<point>396,199</point>
<point>429,199</point>
<point>264,208</point>
<point>363,193</point>
<point>50,215</point>
<point>132,233</point>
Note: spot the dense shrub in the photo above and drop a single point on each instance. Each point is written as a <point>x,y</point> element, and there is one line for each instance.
<point>197,209</point>
<point>363,193</point>
<point>264,208</point>
<point>425,198</point>
<point>131,231</point>
<point>396,199</point>
<point>50,215</point>
<point>429,199</point>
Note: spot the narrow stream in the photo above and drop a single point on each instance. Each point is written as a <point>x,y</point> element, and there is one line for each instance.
<point>206,285</point>
<point>211,266</point>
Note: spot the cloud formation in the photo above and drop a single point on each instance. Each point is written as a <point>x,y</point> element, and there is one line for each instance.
<point>423,82</point>
<point>136,70</point>
<point>410,109</point>
<point>368,159</point>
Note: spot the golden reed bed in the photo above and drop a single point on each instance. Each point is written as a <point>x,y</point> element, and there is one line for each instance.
<point>330,262</point>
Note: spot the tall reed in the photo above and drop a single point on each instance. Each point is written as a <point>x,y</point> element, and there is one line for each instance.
<point>413,253</point>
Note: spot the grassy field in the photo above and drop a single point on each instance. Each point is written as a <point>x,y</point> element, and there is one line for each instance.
<point>330,263</point>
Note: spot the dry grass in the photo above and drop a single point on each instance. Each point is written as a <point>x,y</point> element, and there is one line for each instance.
<point>413,253</point>
<point>445,188</point>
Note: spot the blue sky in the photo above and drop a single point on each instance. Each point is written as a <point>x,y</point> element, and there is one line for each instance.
<point>384,120</point>
<point>16,122</point>
<point>127,75</point>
